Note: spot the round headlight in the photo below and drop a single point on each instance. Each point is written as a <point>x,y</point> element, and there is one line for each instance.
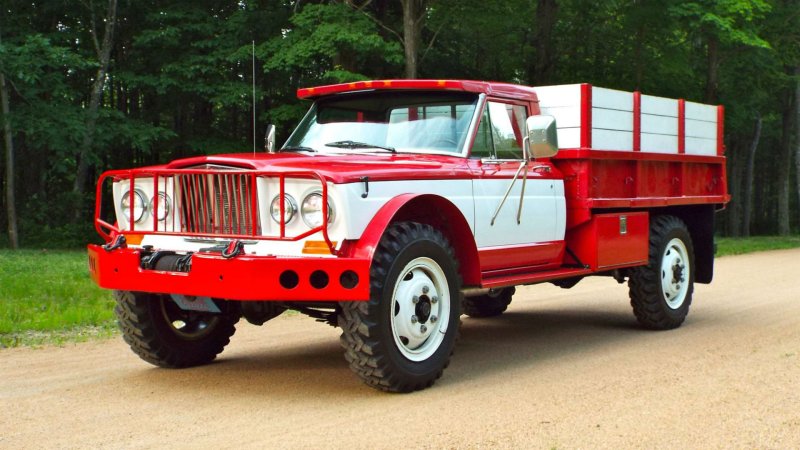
<point>164,206</point>
<point>289,208</point>
<point>139,205</point>
<point>311,210</point>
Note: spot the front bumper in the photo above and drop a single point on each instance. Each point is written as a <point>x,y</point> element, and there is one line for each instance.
<point>239,278</point>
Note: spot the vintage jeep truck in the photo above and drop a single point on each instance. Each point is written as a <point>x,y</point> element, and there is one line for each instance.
<point>397,206</point>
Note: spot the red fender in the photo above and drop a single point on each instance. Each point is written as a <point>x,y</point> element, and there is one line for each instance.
<point>430,209</point>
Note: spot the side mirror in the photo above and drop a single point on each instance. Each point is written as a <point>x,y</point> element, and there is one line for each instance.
<point>269,139</point>
<point>542,136</point>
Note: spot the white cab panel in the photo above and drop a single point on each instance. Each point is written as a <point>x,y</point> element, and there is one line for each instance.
<point>543,212</point>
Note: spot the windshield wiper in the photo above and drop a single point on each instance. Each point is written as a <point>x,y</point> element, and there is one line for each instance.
<point>298,148</point>
<point>355,145</point>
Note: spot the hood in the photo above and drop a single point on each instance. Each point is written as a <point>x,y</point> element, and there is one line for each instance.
<point>342,168</point>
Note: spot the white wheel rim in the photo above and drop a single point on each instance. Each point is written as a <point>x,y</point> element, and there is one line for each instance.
<point>675,273</point>
<point>420,309</point>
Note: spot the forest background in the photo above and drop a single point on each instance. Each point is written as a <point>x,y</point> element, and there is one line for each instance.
<point>93,85</point>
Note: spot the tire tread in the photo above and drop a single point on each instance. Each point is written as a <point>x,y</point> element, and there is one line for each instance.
<point>140,332</point>
<point>644,284</point>
<point>364,351</point>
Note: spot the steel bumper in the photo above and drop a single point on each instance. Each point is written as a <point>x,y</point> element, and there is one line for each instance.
<point>239,278</point>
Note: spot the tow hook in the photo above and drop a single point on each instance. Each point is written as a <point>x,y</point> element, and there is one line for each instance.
<point>234,249</point>
<point>118,242</point>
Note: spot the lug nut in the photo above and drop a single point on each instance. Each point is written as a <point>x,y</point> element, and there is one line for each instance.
<point>423,328</point>
<point>425,289</point>
<point>434,319</point>
<point>415,300</point>
<point>434,299</point>
<point>414,319</point>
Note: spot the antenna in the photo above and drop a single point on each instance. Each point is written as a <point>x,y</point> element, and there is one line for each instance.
<point>254,97</point>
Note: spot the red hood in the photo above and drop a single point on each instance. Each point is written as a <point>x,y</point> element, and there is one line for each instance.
<point>342,168</point>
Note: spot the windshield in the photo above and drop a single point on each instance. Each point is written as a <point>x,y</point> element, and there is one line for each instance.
<point>387,121</point>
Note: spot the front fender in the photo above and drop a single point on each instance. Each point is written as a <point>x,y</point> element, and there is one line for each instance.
<point>428,209</point>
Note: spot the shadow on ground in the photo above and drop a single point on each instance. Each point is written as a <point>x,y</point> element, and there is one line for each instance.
<point>519,339</point>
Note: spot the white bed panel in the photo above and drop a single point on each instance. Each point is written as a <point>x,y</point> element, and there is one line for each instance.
<point>569,138</point>
<point>701,129</point>
<point>659,105</point>
<point>612,99</point>
<point>563,95</point>
<point>699,111</point>
<point>612,119</point>
<point>612,140</point>
<point>659,143</point>
<point>701,146</point>
<point>566,116</point>
<point>659,124</point>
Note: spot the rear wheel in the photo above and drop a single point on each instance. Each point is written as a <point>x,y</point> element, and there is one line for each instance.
<point>402,338</point>
<point>661,291</point>
<point>165,335</point>
<point>492,304</point>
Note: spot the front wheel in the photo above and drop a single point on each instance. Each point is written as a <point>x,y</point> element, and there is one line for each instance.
<point>661,291</point>
<point>165,335</point>
<point>402,338</point>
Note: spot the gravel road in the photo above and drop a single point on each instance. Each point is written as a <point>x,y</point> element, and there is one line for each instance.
<point>561,369</point>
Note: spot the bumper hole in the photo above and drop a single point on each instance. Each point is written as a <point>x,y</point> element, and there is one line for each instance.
<point>319,279</point>
<point>348,279</point>
<point>289,279</point>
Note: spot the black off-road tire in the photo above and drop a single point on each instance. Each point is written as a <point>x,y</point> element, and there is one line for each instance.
<point>654,307</point>
<point>488,305</point>
<point>369,336</point>
<point>153,338</point>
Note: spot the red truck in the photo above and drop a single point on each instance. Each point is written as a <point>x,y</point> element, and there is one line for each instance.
<point>396,206</point>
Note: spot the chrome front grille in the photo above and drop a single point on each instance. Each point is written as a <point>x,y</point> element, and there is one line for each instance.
<point>221,203</point>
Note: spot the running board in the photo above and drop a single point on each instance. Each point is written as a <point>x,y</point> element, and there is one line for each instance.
<point>533,278</point>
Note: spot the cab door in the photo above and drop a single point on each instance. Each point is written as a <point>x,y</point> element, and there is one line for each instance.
<point>508,237</point>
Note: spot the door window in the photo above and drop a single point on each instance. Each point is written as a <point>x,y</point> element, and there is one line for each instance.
<point>500,132</point>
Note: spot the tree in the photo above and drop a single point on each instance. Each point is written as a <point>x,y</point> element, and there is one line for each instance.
<point>748,182</point>
<point>413,21</point>
<point>11,212</point>
<point>546,12</point>
<point>103,58</point>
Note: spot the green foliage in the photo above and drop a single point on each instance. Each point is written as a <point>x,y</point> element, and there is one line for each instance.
<point>180,79</point>
<point>329,43</point>
<point>732,21</point>
<point>47,291</point>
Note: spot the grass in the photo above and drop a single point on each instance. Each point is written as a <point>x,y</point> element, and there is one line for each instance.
<point>47,297</point>
<point>738,246</point>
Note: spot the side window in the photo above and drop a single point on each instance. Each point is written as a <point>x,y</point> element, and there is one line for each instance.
<point>500,132</point>
<point>483,146</point>
<point>508,121</point>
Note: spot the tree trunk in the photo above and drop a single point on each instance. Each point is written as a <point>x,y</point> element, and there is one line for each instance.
<point>546,12</point>
<point>712,76</point>
<point>11,211</point>
<point>797,127</point>
<point>413,20</point>
<point>103,56</point>
<point>784,169</point>
<point>733,212</point>
<point>637,56</point>
<point>748,182</point>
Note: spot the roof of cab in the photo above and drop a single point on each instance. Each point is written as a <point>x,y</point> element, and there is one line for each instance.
<point>507,90</point>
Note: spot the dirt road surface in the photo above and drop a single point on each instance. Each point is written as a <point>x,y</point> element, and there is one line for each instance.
<point>562,369</point>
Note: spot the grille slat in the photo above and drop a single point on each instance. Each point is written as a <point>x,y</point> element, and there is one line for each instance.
<point>217,204</point>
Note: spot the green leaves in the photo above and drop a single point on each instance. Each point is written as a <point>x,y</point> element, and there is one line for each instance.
<point>330,43</point>
<point>731,21</point>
